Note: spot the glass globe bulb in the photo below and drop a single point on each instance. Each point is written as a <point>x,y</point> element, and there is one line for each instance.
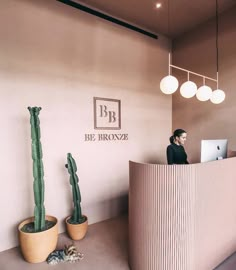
<point>188,89</point>
<point>169,84</point>
<point>218,96</point>
<point>204,93</point>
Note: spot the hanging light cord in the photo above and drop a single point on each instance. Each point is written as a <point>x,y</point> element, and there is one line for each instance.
<point>168,17</point>
<point>217,47</point>
<point>168,33</point>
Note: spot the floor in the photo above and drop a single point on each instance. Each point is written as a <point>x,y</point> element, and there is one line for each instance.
<point>228,264</point>
<point>104,248</point>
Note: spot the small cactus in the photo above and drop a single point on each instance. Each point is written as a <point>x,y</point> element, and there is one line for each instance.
<point>38,173</point>
<point>77,217</point>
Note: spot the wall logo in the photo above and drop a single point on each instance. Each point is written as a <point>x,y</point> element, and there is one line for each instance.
<point>107,116</point>
<point>107,113</point>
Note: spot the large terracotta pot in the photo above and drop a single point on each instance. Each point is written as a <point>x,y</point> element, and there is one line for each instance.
<point>77,231</point>
<point>37,246</point>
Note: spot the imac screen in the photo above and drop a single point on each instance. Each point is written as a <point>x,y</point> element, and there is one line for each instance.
<point>213,150</point>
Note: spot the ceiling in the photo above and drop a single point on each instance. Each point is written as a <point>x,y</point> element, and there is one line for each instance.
<point>184,14</point>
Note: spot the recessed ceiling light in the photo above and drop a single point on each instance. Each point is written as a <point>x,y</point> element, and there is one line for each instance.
<point>158,5</point>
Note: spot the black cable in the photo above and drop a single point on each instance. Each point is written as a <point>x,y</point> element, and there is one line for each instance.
<point>168,16</point>
<point>217,32</point>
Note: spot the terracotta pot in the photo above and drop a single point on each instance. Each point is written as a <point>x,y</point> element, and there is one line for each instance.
<point>77,231</point>
<point>37,246</point>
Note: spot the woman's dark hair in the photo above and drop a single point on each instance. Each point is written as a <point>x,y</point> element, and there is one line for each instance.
<point>177,133</point>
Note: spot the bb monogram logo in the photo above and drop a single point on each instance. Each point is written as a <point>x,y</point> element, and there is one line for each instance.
<point>107,113</point>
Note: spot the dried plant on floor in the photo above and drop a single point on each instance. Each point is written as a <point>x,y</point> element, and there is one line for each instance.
<point>68,254</point>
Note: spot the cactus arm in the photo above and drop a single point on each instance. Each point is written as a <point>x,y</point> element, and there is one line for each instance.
<point>38,173</point>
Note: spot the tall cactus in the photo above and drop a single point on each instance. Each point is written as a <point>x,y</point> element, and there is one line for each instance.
<point>38,173</point>
<point>76,217</point>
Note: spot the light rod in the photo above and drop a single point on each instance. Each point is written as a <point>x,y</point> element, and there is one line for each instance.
<point>186,70</point>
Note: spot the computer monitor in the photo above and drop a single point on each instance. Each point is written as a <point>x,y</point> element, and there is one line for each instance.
<point>213,150</point>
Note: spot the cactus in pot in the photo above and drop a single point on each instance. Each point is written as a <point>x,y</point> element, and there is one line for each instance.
<point>77,223</point>
<point>38,172</point>
<point>37,235</point>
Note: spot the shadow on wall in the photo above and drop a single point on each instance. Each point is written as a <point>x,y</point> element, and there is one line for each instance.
<point>107,209</point>
<point>118,205</point>
<point>155,160</point>
<point>231,153</point>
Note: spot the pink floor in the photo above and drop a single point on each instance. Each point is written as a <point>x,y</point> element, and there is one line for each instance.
<point>105,248</point>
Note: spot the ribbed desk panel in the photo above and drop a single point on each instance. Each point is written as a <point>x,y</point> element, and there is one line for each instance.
<point>182,217</point>
<point>161,217</point>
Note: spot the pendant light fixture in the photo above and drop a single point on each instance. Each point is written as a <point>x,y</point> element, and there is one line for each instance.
<point>218,95</point>
<point>169,84</point>
<point>188,89</point>
<point>204,92</point>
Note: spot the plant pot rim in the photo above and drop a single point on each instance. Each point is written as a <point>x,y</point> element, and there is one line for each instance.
<point>76,223</point>
<point>31,219</point>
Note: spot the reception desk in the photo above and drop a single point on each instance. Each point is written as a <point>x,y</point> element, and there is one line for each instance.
<point>182,217</point>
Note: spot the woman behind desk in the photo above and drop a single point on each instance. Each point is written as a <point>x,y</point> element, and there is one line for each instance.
<point>175,151</point>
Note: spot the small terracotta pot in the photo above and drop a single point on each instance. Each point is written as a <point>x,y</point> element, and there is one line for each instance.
<point>36,247</point>
<point>76,231</point>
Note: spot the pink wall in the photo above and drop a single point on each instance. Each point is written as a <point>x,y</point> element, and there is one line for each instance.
<point>59,58</point>
<point>196,51</point>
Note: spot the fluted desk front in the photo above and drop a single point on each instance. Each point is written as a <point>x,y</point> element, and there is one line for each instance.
<point>182,217</point>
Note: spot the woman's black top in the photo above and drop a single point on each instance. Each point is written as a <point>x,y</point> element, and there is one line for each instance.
<point>176,154</point>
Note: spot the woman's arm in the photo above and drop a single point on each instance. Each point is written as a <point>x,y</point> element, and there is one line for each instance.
<point>170,155</point>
